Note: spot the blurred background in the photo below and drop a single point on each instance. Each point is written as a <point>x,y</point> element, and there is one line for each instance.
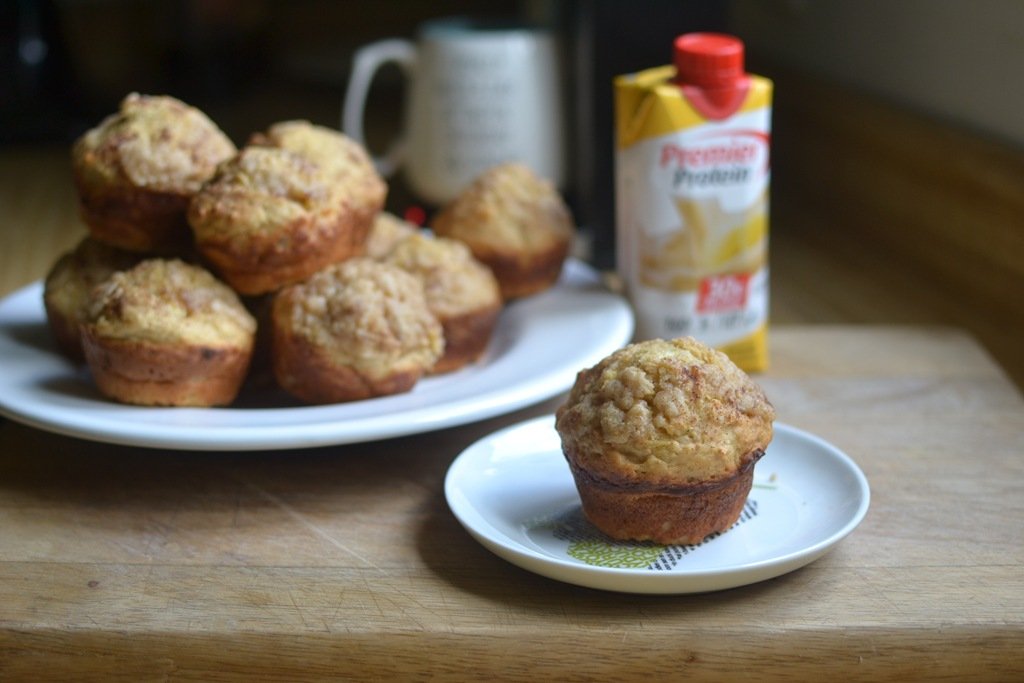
<point>898,143</point>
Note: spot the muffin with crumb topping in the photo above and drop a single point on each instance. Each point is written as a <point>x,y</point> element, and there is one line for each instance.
<point>355,330</point>
<point>167,333</point>
<point>362,189</point>
<point>271,217</point>
<point>662,437</point>
<point>68,285</point>
<point>460,291</point>
<point>136,172</point>
<point>386,232</point>
<point>515,222</point>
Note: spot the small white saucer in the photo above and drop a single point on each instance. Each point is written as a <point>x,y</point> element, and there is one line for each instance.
<point>513,492</point>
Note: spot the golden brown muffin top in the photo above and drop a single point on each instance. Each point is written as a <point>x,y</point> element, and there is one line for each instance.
<point>453,281</point>
<point>508,207</point>
<point>258,191</point>
<point>387,231</point>
<point>366,314</point>
<point>337,154</point>
<point>155,142</point>
<point>663,412</point>
<point>73,276</point>
<point>169,301</point>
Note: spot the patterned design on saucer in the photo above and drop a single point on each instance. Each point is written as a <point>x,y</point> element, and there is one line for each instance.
<point>589,545</point>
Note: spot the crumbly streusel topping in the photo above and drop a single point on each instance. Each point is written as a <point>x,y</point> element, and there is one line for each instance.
<point>386,232</point>
<point>156,142</point>
<point>258,191</point>
<point>70,281</point>
<point>508,207</point>
<point>367,314</point>
<point>663,411</point>
<point>169,301</point>
<point>453,281</point>
<point>342,157</point>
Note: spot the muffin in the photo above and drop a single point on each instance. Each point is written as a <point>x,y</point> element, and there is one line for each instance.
<point>516,223</point>
<point>461,292</point>
<point>355,330</point>
<point>68,285</point>
<point>136,172</point>
<point>167,333</point>
<point>271,217</point>
<point>362,189</point>
<point>662,438</point>
<point>387,231</point>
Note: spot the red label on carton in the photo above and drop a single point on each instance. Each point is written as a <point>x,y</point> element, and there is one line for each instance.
<point>723,293</point>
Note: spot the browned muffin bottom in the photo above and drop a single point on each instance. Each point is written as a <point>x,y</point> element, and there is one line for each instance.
<point>69,283</point>
<point>136,171</point>
<point>355,330</point>
<point>515,222</point>
<point>661,438</point>
<point>167,333</point>
<point>460,291</point>
<point>270,218</point>
<point>667,515</point>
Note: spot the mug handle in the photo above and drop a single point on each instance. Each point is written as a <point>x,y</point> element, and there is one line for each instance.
<point>367,61</point>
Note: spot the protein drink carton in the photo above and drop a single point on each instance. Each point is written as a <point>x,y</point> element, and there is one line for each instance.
<point>692,179</point>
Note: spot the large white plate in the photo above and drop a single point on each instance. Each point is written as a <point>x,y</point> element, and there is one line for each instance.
<point>514,493</point>
<point>538,346</point>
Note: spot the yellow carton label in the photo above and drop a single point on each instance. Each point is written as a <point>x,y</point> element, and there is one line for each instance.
<point>692,214</point>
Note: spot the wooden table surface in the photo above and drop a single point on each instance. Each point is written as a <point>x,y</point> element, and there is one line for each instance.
<point>346,562</point>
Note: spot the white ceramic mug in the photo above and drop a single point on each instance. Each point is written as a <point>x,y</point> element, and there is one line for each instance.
<point>479,94</point>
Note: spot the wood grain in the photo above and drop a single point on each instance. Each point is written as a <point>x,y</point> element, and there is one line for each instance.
<point>345,561</point>
<point>882,215</point>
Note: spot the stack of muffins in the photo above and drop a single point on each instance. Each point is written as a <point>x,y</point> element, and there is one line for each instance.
<point>201,256</point>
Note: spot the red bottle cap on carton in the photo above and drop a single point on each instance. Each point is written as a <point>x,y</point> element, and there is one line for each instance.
<point>709,67</point>
<point>709,60</point>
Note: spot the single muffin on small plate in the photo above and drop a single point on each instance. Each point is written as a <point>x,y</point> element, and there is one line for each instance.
<point>167,333</point>
<point>357,329</point>
<point>515,222</point>
<point>69,283</point>
<point>136,172</point>
<point>271,217</point>
<point>460,291</point>
<point>387,231</point>
<point>662,437</point>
